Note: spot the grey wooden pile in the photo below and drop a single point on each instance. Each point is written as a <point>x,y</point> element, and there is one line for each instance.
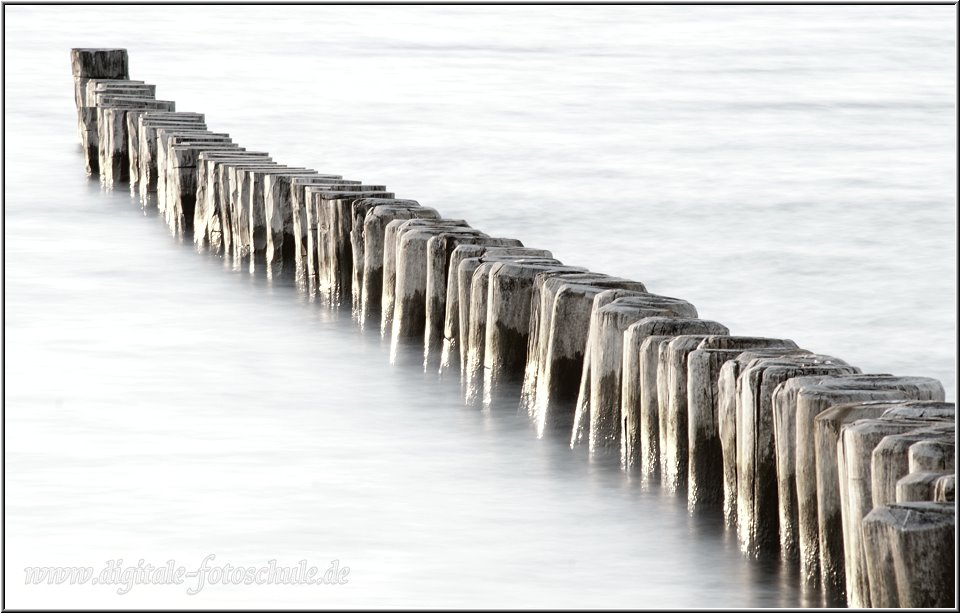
<point>850,476</point>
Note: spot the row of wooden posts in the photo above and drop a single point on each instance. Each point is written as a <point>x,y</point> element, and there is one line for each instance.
<point>846,474</point>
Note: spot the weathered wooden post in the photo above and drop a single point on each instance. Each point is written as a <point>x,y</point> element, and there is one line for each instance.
<point>508,319</point>
<point>251,238</point>
<point>374,253</point>
<point>259,222</point>
<point>319,235</point>
<point>827,428</point>
<point>440,250</point>
<point>933,455</point>
<point>891,460</point>
<point>854,457</point>
<point>475,293</point>
<point>918,487</point>
<point>135,119</point>
<point>112,133</point>
<point>217,213</point>
<point>149,149</point>
<point>97,91</point>
<point>362,208</point>
<point>393,233</point>
<point>911,561</point>
<point>87,64</point>
<point>928,460</point>
<point>605,347</point>
<point>821,536</point>
<point>728,388</point>
<point>305,236</point>
<point>87,115</point>
<point>562,309</point>
<point>208,213</point>
<point>84,93</point>
<point>581,417</point>
<point>411,280</point>
<point>705,465</point>
<point>166,138</point>
<point>452,354</point>
<point>99,63</point>
<point>633,422</point>
<point>334,211</point>
<point>334,223</point>
<point>180,186</point>
<point>796,403</point>
<point>945,489</point>
<point>279,214</point>
<point>649,400</point>
<point>675,417</point>
<point>541,313</point>
<point>757,499</point>
<point>235,218</point>
<point>467,259</point>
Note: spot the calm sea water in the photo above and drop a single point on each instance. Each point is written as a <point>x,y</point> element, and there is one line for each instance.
<point>789,170</point>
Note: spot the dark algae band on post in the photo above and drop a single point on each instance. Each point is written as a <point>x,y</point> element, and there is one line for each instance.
<point>848,476</point>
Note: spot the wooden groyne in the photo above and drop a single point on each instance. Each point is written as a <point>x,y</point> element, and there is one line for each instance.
<point>850,476</point>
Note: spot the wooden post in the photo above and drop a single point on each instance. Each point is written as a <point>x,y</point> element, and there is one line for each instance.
<point>556,355</point>
<point>235,222</point>
<point>827,428</point>
<point>114,161</point>
<point>87,64</point>
<point>674,414</point>
<point>166,138</point>
<point>911,561</point>
<point>854,457</point>
<point>374,254</point>
<point>757,499</point>
<point>135,121</point>
<point>508,319</point>
<point>638,431</point>
<point>477,328</point>
<point>541,314</point>
<point>327,245</point>
<point>705,466</point>
<point>212,219</point>
<point>945,488</point>
<point>393,232</point>
<point>361,208</point>
<point>890,461</point>
<point>938,455</point>
<point>452,355</point>
<point>207,215</point>
<point>728,389</point>
<point>97,62</point>
<point>305,236</point>
<point>440,250</point>
<point>278,213</point>
<point>465,268</point>
<point>411,283</point>
<point>918,487</point>
<point>334,210</point>
<point>147,157</point>
<point>476,294</point>
<point>260,215</point>
<point>93,91</point>
<point>180,187</point>
<point>605,347</point>
<point>795,447</point>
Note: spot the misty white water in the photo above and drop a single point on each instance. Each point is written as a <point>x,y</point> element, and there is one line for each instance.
<point>789,170</point>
